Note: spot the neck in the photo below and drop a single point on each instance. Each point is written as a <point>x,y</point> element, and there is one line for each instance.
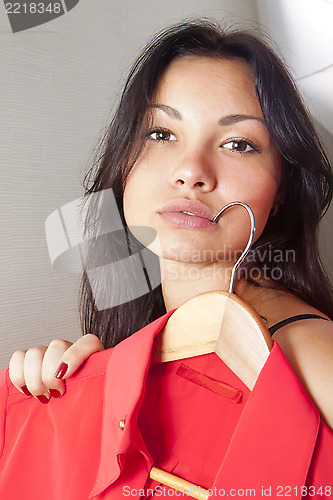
<point>183,280</point>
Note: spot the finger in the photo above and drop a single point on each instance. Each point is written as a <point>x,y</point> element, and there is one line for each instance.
<point>16,370</point>
<point>32,371</point>
<point>77,354</point>
<point>51,360</point>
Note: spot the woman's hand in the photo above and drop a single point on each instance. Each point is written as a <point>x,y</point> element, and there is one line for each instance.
<point>40,371</point>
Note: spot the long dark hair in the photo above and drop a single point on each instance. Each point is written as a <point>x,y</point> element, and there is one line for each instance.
<point>308,176</point>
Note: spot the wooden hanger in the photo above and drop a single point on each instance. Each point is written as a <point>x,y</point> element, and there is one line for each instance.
<point>217,322</point>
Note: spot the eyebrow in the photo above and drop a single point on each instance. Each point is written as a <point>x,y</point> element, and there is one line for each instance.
<point>231,119</point>
<point>168,110</point>
<point>224,121</point>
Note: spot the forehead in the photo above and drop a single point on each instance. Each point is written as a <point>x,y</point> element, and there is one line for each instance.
<point>211,82</point>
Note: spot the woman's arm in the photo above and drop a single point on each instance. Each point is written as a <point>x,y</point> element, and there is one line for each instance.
<point>40,371</point>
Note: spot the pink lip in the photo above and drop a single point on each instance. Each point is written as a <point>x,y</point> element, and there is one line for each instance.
<point>201,218</point>
<point>195,207</point>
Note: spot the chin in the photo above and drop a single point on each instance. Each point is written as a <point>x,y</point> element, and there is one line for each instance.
<point>188,253</point>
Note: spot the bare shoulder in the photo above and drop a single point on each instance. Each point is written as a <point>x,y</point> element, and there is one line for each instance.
<point>308,346</point>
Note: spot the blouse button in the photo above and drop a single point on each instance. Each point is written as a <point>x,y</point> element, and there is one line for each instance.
<point>122,425</point>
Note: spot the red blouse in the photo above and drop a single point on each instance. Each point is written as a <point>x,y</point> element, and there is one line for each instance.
<point>192,417</point>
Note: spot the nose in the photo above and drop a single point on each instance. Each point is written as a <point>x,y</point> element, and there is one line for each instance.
<point>195,172</point>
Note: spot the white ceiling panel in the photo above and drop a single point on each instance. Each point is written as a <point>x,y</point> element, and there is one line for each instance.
<point>318,94</point>
<point>303,31</point>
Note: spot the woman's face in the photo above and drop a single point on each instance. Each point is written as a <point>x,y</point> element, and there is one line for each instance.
<point>208,144</point>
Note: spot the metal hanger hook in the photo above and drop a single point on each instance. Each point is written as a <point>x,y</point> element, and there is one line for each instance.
<point>217,217</point>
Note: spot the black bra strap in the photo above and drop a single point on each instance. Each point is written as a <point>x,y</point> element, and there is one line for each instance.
<point>273,328</point>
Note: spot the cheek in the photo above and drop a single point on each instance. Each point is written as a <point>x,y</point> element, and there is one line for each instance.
<point>143,187</point>
<point>135,194</point>
<point>136,215</point>
<point>261,191</point>
<point>262,203</point>
<point>127,197</point>
<point>257,191</point>
<point>139,197</point>
<point>131,201</point>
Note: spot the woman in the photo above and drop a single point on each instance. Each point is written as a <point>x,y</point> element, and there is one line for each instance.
<point>207,118</point>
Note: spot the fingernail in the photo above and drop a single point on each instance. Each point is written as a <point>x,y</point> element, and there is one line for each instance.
<point>26,391</point>
<point>55,393</point>
<point>61,370</point>
<point>43,399</point>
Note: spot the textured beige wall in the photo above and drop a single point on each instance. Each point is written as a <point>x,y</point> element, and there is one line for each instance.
<point>59,82</point>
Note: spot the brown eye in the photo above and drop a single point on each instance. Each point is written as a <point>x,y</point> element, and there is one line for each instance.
<point>240,146</point>
<point>161,136</point>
